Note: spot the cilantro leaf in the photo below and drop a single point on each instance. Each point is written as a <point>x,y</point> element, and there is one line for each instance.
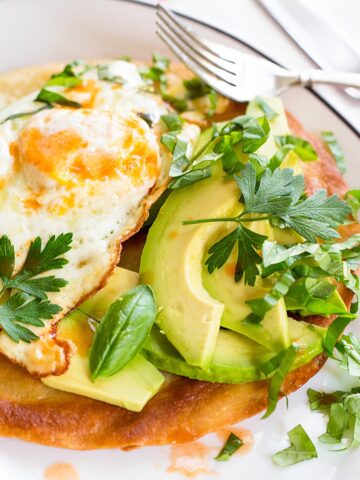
<point>233,443</point>
<point>301,449</point>
<point>335,149</point>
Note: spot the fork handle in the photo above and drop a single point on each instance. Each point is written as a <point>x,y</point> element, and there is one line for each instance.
<point>308,78</point>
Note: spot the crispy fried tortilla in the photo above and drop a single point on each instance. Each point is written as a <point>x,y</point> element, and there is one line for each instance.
<point>184,409</point>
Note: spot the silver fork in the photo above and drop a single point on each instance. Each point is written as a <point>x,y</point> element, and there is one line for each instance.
<point>235,74</point>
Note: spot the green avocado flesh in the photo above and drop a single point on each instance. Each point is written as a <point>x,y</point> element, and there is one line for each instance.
<point>131,388</point>
<point>193,303</point>
<point>237,359</point>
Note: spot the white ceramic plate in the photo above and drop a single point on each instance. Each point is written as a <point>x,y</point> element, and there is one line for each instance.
<point>40,31</point>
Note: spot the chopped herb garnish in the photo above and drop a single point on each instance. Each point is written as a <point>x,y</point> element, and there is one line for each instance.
<point>50,97</point>
<point>301,449</point>
<point>67,78</point>
<point>301,147</point>
<point>147,117</point>
<point>122,331</point>
<point>278,196</point>
<point>286,359</point>
<point>353,199</point>
<point>25,114</point>
<point>190,177</point>
<point>265,107</point>
<point>233,443</point>
<point>105,74</point>
<point>25,292</point>
<point>335,149</point>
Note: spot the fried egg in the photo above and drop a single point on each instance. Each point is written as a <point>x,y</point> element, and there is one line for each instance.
<point>93,171</point>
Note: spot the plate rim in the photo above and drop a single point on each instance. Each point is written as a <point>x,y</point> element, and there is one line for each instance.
<point>259,52</point>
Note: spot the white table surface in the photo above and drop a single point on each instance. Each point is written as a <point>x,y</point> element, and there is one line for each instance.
<point>247,20</point>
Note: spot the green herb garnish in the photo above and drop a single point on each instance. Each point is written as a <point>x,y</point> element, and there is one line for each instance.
<point>49,97</point>
<point>283,363</point>
<point>25,293</point>
<point>335,149</point>
<point>67,78</point>
<point>122,331</point>
<point>25,114</point>
<point>265,107</point>
<point>233,443</point>
<point>104,74</point>
<point>301,449</point>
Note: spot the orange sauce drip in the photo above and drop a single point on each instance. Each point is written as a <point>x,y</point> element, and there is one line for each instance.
<point>190,459</point>
<point>61,471</point>
<point>245,435</point>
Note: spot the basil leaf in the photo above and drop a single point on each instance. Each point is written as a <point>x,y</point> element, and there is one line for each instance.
<point>233,443</point>
<point>322,400</point>
<point>179,161</point>
<point>25,114</point>
<point>104,74</point>
<point>66,78</point>
<point>335,149</point>
<point>49,97</point>
<point>301,449</point>
<point>353,199</point>
<point>338,421</point>
<point>172,121</point>
<point>333,333</point>
<point>189,178</point>
<point>122,331</point>
<point>196,88</point>
<point>260,306</point>
<point>349,348</point>
<point>256,132</point>
<point>265,107</point>
<point>301,147</point>
<point>278,378</point>
<point>180,104</point>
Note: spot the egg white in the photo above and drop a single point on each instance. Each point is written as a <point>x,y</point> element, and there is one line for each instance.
<point>102,212</point>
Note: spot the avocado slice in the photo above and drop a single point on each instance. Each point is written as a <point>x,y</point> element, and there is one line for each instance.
<point>172,262</point>
<point>237,359</point>
<point>131,388</point>
<point>192,302</point>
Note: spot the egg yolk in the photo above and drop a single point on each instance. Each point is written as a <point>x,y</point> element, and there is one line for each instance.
<point>75,146</point>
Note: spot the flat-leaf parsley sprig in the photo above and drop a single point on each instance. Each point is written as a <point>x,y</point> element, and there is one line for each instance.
<point>277,196</point>
<point>23,295</point>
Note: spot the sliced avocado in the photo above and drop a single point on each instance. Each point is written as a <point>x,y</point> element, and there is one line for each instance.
<point>131,388</point>
<point>236,359</point>
<point>318,306</point>
<point>172,261</point>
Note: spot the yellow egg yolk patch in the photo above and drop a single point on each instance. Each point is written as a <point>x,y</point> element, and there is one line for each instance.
<point>75,146</point>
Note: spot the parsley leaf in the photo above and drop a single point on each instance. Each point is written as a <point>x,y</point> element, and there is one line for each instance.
<point>247,257</point>
<point>25,293</point>
<point>233,443</point>
<point>301,449</point>
<point>335,149</point>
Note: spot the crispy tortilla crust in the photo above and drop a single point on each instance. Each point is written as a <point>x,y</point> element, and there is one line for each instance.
<point>182,411</point>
